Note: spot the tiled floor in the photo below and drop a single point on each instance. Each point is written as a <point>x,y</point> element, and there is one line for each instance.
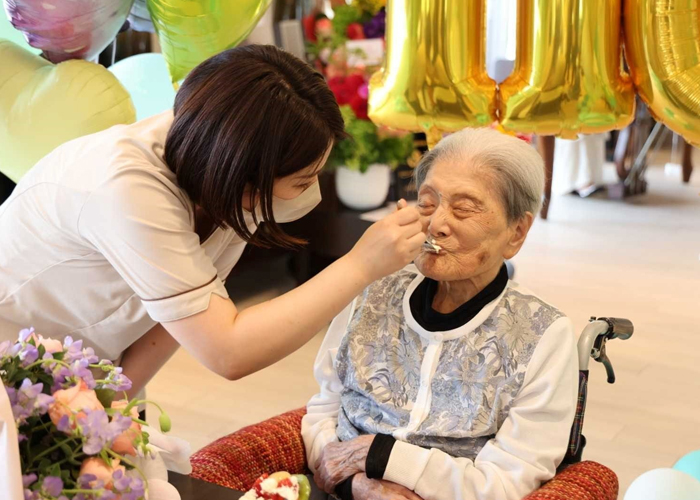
<point>638,259</point>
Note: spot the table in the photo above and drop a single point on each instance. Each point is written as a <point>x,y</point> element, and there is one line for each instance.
<point>195,489</point>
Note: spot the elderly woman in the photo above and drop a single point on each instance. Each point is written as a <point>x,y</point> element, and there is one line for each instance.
<point>446,380</point>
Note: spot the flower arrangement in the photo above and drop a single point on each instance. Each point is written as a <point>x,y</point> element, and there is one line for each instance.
<point>76,439</point>
<point>328,40</point>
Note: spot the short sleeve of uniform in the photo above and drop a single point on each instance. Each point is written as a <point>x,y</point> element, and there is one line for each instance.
<point>144,230</point>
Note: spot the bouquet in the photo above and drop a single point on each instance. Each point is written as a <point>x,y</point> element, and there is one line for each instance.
<point>78,439</point>
<point>328,45</point>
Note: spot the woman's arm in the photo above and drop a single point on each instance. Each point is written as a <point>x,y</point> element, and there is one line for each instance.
<point>319,424</point>
<point>235,344</point>
<point>143,359</point>
<point>526,450</point>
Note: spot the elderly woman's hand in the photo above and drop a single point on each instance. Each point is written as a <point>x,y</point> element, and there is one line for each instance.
<point>364,488</point>
<point>339,461</point>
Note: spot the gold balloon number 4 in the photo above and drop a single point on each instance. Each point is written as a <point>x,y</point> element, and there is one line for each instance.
<point>568,76</point>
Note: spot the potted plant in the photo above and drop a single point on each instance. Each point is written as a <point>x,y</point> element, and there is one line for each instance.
<point>363,162</point>
<point>339,49</point>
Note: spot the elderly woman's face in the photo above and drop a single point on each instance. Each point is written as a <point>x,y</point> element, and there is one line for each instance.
<point>461,211</point>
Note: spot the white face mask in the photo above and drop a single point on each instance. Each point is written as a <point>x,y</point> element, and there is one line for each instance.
<point>291,210</point>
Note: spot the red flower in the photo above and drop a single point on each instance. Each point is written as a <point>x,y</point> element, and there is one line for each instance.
<point>346,89</point>
<point>309,23</point>
<point>355,31</point>
<point>359,106</point>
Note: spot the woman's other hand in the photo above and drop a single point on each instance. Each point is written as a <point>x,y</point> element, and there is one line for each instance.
<point>390,244</point>
<point>339,461</point>
<point>364,488</point>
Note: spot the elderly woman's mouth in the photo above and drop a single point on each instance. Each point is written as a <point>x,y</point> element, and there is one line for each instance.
<point>431,247</point>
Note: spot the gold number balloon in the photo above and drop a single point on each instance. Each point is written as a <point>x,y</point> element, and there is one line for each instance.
<point>434,77</point>
<point>567,77</point>
<point>191,31</point>
<point>662,44</point>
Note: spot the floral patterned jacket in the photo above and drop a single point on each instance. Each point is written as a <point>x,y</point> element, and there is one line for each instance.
<point>455,395</point>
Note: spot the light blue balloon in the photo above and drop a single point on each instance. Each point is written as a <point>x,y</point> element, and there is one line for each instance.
<point>690,464</point>
<point>8,32</point>
<point>146,78</point>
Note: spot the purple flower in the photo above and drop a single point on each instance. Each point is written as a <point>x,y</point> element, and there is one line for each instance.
<point>52,486</point>
<point>28,354</point>
<point>99,431</point>
<point>25,334</point>
<point>63,424</point>
<point>116,381</point>
<point>73,351</point>
<point>31,495</point>
<point>28,480</point>
<point>28,400</point>
<point>130,488</point>
<point>376,27</point>
<point>90,482</point>
<point>81,370</point>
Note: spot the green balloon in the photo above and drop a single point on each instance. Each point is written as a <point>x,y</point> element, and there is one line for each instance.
<point>8,32</point>
<point>191,31</point>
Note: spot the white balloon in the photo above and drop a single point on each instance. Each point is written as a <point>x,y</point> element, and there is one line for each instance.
<point>664,484</point>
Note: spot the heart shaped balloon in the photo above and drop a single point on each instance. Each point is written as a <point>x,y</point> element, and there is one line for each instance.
<point>68,29</point>
<point>43,105</point>
<point>191,31</point>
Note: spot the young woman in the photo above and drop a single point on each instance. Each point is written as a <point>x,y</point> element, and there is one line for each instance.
<point>124,238</point>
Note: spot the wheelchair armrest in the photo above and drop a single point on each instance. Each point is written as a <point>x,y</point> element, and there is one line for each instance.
<point>237,460</point>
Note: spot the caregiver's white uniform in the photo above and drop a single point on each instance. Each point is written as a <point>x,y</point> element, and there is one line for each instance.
<point>98,242</point>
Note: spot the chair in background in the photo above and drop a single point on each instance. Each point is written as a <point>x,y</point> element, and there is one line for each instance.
<point>237,460</point>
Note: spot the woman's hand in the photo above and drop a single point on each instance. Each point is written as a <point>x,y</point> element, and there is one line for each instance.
<point>390,244</point>
<point>339,461</point>
<point>364,488</point>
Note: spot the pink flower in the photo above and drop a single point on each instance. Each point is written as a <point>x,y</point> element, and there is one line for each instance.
<point>51,345</point>
<point>73,400</point>
<point>124,444</point>
<point>324,28</point>
<point>99,468</point>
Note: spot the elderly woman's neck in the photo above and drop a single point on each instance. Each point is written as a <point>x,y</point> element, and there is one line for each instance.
<point>452,294</point>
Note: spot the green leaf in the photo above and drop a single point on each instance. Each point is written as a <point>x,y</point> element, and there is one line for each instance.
<point>106,397</point>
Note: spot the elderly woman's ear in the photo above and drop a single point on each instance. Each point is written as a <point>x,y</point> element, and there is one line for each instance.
<point>519,230</point>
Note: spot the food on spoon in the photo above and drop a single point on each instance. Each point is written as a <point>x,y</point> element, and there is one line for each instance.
<point>431,246</point>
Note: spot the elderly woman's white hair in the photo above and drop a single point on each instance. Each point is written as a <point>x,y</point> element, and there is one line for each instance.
<point>516,168</point>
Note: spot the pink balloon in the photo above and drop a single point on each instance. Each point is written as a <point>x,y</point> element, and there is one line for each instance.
<point>68,29</point>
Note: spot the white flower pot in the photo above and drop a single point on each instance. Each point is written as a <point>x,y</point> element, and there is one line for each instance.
<point>363,191</point>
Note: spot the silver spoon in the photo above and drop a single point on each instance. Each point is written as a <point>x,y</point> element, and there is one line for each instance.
<point>431,246</point>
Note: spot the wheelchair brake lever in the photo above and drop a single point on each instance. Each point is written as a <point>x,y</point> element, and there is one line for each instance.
<point>603,358</point>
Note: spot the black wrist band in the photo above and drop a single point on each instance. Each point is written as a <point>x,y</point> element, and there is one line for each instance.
<point>378,456</point>
<point>344,489</point>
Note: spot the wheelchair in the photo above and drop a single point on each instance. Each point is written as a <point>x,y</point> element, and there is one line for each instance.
<point>237,460</point>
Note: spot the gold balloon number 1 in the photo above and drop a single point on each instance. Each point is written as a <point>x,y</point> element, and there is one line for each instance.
<point>568,76</point>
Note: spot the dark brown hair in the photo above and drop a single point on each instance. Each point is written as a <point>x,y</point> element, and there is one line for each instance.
<point>243,118</point>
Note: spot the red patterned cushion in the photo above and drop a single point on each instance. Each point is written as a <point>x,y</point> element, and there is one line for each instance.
<point>582,481</point>
<point>237,460</point>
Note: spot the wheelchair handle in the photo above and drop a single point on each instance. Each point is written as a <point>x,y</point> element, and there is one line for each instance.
<point>620,328</point>
<point>592,342</point>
